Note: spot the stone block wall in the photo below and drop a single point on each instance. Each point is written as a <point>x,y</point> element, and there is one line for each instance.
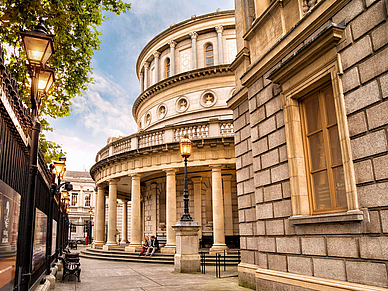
<point>346,251</point>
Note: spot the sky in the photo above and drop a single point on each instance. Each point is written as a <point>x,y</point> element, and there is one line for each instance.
<point>105,109</point>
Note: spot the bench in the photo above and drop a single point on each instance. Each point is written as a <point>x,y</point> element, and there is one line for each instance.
<point>71,265</point>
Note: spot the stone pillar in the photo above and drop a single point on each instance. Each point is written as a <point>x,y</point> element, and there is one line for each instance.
<point>170,211</point>
<point>124,230</point>
<point>135,244</point>
<point>219,30</point>
<point>141,82</point>
<point>227,186</point>
<point>193,36</point>
<point>172,57</point>
<point>186,259</point>
<point>197,183</point>
<point>100,217</point>
<point>218,211</point>
<point>153,209</point>
<point>156,71</point>
<point>146,67</point>
<point>112,215</point>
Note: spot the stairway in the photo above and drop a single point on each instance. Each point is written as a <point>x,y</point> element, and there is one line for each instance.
<point>231,259</point>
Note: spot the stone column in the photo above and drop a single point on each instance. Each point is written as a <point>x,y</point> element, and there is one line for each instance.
<point>135,244</point>
<point>112,215</point>
<point>172,57</point>
<point>193,36</point>
<point>124,230</point>
<point>218,211</point>
<point>227,186</point>
<point>156,71</point>
<point>219,30</point>
<point>146,67</point>
<point>153,209</point>
<point>141,82</point>
<point>197,183</point>
<point>100,217</point>
<point>170,211</point>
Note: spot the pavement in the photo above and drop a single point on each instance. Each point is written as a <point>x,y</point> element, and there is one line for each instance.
<point>104,275</point>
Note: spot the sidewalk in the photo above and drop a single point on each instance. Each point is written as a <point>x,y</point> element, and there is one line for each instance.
<point>99,275</point>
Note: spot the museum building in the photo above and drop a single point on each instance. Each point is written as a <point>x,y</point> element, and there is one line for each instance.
<point>185,81</point>
<point>310,124</point>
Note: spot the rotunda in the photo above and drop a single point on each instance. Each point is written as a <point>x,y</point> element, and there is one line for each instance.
<point>185,81</point>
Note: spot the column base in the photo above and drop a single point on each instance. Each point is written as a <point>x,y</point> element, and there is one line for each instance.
<point>168,249</point>
<point>133,248</point>
<point>96,244</point>
<point>187,263</point>
<point>218,248</point>
<point>124,242</point>
<point>110,246</point>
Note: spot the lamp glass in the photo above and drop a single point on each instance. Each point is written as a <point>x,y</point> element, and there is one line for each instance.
<point>186,147</point>
<point>59,167</point>
<point>46,80</point>
<point>65,194</point>
<point>90,212</point>
<point>38,49</point>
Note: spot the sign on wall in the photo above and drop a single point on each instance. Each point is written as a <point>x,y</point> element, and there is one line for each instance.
<point>9,224</point>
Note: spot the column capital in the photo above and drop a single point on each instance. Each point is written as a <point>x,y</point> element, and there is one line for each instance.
<point>113,181</point>
<point>215,168</point>
<point>141,74</point>
<point>170,172</point>
<point>226,177</point>
<point>135,176</point>
<point>193,34</point>
<point>146,65</point>
<point>219,28</point>
<point>172,43</point>
<point>156,54</point>
<point>196,179</point>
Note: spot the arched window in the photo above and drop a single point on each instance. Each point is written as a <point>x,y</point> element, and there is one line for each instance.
<point>167,67</point>
<point>209,55</point>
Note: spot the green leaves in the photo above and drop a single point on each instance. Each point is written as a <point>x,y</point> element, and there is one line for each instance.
<point>75,26</point>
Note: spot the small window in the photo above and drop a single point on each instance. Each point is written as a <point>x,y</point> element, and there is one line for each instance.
<point>167,67</point>
<point>74,199</point>
<point>323,152</point>
<point>209,55</point>
<point>87,200</point>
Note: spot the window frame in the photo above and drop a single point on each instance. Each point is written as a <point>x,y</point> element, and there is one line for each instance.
<point>87,200</point>
<point>167,67</point>
<point>74,195</point>
<point>206,57</point>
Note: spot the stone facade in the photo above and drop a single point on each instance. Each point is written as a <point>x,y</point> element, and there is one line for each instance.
<point>185,81</point>
<point>290,49</point>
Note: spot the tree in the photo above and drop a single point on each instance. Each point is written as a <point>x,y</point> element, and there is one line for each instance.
<point>74,24</point>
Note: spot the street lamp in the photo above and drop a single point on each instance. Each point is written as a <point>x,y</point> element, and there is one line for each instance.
<point>90,225</point>
<point>186,147</point>
<point>39,47</point>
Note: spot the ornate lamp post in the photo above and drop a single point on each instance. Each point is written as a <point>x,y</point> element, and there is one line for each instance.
<point>39,47</point>
<point>186,147</point>
<point>90,225</point>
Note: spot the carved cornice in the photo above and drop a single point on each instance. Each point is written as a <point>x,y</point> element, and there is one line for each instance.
<point>175,80</point>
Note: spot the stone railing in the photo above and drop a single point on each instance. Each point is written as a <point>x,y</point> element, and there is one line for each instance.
<point>173,134</point>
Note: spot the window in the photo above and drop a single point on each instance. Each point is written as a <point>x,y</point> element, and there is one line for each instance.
<point>73,227</point>
<point>323,152</point>
<point>167,67</point>
<point>209,57</point>
<point>74,198</point>
<point>87,200</point>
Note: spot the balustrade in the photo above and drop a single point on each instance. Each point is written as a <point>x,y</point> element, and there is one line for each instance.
<point>122,146</point>
<point>151,139</point>
<point>193,132</point>
<point>226,129</point>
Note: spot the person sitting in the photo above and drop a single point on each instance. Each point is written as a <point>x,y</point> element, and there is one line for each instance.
<point>144,245</point>
<point>152,246</point>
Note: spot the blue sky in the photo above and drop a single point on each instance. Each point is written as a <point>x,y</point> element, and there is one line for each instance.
<point>105,110</point>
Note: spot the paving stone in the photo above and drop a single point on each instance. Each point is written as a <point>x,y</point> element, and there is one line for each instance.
<point>313,246</point>
<point>329,268</point>
<point>368,20</point>
<point>374,66</point>
<point>362,97</point>
<point>355,53</point>
<point>374,274</point>
<point>300,265</point>
<point>369,145</point>
<point>377,115</point>
<point>342,247</point>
